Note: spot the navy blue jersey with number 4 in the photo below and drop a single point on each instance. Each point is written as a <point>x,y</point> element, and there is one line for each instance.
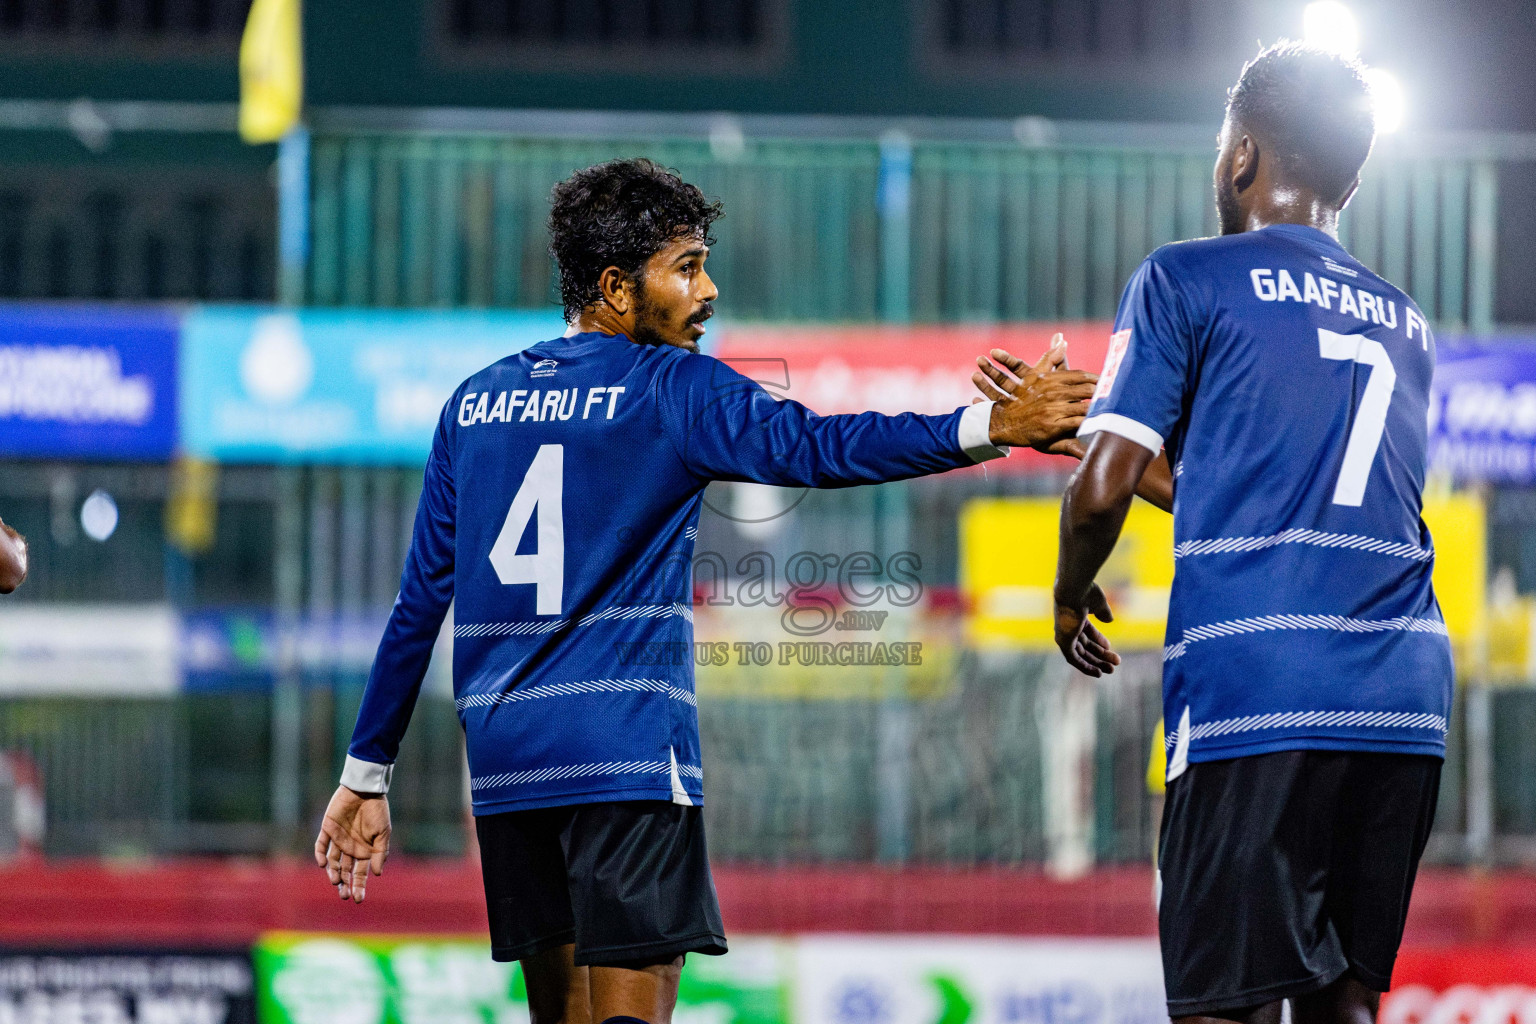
<point>558,514</point>
<point>1289,385</point>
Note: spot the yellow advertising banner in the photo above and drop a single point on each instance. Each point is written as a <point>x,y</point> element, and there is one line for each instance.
<point>1008,563</point>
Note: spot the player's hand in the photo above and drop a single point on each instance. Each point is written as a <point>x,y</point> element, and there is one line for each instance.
<point>1037,406</point>
<point>1081,643</point>
<point>354,839</point>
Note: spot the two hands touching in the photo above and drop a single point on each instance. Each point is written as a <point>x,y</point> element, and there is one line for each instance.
<point>1041,406</point>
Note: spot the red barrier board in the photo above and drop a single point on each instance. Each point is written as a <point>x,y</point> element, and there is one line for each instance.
<point>900,369</point>
<point>1463,985</point>
<point>1462,927</point>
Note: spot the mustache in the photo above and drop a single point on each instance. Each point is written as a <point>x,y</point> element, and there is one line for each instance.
<point>703,313</point>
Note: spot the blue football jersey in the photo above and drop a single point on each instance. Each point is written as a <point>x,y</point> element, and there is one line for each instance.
<point>1290,386</point>
<point>559,511</point>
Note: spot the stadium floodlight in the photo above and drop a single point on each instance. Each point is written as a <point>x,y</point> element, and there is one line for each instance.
<point>98,515</point>
<point>1387,97</point>
<point>1332,26</point>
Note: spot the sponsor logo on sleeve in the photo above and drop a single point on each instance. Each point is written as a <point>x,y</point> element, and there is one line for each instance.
<point>1118,343</point>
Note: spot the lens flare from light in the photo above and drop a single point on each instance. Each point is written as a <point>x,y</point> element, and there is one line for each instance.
<point>1332,26</point>
<point>1388,99</point>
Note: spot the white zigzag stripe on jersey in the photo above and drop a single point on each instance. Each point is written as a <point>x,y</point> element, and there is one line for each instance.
<point>578,771</point>
<point>639,611</point>
<point>1315,538</point>
<point>1267,622</point>
<point>485,700</point>
<point>621,613</point>
<point>691,771</point>
<point>508,628</point>
<point>1304,719</point>
<point>691,532</point>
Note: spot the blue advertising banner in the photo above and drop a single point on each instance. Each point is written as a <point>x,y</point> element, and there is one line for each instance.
<point>1482,411</point>
<point>264,385</point>
<point>87,382</point>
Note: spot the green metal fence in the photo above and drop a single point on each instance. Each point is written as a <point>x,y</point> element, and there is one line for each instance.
<point>885,227</point>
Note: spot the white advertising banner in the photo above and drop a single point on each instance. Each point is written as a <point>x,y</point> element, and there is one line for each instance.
<point>89,649</point>
<point>857,979</point>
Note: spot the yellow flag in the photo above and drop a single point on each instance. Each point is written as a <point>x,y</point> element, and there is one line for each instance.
<point>271,71</point>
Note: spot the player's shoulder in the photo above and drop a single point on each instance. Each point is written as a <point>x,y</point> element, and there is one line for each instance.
<point>680,367</point>
<point>1197,253</point>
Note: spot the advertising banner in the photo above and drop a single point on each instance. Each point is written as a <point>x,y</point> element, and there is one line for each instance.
<point>91,650</point>
<point>849,979</point>
<point>900,369</point>
<point>1012,596</point>
<point>1475,984</point>
<point>87,382</point>
<point>358,386</point>
<point>330,979</point>
<point>127,988</point>
<point>1482,412</point>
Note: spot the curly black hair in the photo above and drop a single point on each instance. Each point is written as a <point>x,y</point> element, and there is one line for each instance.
<point>620,214</point>
<point>1314,107</point>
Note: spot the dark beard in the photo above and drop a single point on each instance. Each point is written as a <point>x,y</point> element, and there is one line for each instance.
<point>1229,212</point>
<point>647,321</point>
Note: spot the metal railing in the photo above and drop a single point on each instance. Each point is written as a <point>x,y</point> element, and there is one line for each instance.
<point>850,219</point>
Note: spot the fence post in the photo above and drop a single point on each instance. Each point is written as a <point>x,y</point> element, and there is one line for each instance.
<point>292,215</point>
<point>287,686</point>
<point>1484,261</point>
<point>1479,711</point>
<point>895,227</point>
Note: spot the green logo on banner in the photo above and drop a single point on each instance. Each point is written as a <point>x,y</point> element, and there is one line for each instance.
<point>323,979</point>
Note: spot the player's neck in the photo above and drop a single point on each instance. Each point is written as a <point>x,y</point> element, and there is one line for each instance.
<point>1289,206</point>
<point>599,319</point>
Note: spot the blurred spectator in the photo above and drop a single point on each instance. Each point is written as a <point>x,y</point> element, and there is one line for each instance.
<point>13,559</point>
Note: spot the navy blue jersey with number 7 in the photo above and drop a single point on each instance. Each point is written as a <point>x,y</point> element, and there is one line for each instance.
<point>558,514</point>
<point>1290,386</point>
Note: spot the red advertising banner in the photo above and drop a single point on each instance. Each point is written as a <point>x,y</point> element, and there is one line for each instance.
<point>894,369</point>
<point>1463,985</point>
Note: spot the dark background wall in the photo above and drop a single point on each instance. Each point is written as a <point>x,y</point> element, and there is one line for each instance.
<point>1464,65</point>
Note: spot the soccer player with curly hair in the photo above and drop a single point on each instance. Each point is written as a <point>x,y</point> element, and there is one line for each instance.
<point>560,506</point>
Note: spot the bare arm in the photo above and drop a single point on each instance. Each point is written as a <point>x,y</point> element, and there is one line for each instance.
<point>1156,485</point>
<point>13,559</point>
<point>1092,513</point>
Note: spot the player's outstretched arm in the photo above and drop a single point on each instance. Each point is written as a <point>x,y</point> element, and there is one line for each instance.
<point>1092,513</point>
<point>1156,485</point>
<point>353,840</point>
<point>727,427</point>
<point>13,559</point>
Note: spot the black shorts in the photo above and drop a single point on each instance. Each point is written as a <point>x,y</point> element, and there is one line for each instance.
<point>1281,872</point>
<point>625,881</point>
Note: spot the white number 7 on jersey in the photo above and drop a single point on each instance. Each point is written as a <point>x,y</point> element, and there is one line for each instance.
<point>1370,417</point>
<point>542,491</point>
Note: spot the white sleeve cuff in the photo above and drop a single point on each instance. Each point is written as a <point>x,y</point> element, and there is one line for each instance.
<point>1124,426</point>
<point>365,776</point>
<point>976,434</point>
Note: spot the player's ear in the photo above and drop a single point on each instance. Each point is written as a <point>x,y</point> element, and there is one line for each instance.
<point>1244,167</point>
<point>1349,193</point>
<point>617,289</point>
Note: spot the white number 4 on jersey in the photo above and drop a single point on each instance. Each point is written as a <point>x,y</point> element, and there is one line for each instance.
<point>541,492</point>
